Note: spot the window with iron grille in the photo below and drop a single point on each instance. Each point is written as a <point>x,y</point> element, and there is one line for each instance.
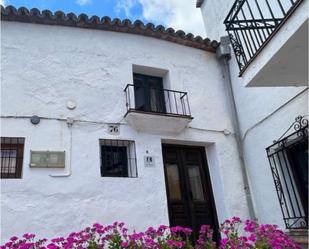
<point>288,158</point>
<point>118,158</point>
<point>11,153</point>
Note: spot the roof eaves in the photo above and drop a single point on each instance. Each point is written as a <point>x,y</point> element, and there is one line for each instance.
<point>199,3</point>
<point>46,17</point>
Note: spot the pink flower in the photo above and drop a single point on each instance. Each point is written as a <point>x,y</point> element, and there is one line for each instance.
<point>136,236</point>
<point>125,244</point>
<point>252,237</point>
<point>180,229</point>
<point>97,226</point>
<point>151,232</point>
<point>57,240</point>
<point>52,246</point>
<point>8,244</point>
<point>250,226</point>
<point>187,231</point>
<point>26,246</point>
<point>150,242</point>
<point>28,236</point>
<point>68,245</point>
<point>162,227</point>
<point>177,244</point>
<point>236,219</point>
<point>14,238</point>
<point>204,228</point>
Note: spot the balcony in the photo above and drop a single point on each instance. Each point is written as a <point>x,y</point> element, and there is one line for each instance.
<point>156,109</point>
<point>266,53</point>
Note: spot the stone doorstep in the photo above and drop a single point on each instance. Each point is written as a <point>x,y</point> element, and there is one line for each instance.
<point>300,236</point>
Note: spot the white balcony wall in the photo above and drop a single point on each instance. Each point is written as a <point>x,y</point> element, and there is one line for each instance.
<point>283,61</point>
<point>265,113</point>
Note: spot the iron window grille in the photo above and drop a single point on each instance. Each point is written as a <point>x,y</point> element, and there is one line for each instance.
<point>252,23</point>
<point>288,158</point>
<point>118,158</point>
<point>12,152</point>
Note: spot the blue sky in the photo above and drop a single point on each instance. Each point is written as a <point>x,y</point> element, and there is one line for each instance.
<point>178,14</point>
<point>90,7</point>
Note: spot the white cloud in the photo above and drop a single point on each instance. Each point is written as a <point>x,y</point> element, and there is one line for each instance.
<point>2,2</point>
<point>83,2</point>
<point>178,14</point>
<point>126,6</point>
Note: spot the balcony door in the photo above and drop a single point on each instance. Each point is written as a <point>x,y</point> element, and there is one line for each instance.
<point>189,194</point>
<point>149,93</point>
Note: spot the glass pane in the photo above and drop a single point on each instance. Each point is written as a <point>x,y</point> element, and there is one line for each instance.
<point>139,93</point>
<point>298,157</point>
<point>156,94</point>
<point>114,161</point>
<point>154,103</point>
<point>196,183</point>
<point>8,161</point>
<point>173,181</point>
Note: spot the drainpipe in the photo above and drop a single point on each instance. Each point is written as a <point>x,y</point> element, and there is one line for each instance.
<point>224,54</point>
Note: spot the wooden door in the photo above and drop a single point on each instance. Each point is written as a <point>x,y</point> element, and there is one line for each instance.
<point>149,93</point>
<point>189,194</point>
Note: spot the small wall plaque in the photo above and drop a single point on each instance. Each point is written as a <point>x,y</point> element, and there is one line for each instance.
<point>149,161</point>
<point>47,159</point>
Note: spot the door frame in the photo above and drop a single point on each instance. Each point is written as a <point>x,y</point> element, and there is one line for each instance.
<point>205,176</point>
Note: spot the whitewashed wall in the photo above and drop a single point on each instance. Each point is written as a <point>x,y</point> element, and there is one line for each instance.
<point>45,66</point>
<point>265,114</point>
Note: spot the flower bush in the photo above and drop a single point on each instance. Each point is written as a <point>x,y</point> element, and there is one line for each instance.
<point>255,236</point>
<point>116,236</point>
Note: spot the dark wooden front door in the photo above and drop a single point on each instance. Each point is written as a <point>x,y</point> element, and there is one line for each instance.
<point>189,194</point>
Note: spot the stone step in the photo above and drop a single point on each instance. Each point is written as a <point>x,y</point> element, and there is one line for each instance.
<point>300,236</point>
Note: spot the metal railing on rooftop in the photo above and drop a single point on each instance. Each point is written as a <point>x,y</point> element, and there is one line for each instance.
<point>252,23</point>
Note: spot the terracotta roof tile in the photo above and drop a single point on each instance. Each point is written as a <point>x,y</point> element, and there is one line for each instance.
<point>22,14</point>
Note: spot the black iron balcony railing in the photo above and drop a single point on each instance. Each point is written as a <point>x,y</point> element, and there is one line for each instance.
<point>157,101</point>
<point>288,158</point>
<point>252,23</point>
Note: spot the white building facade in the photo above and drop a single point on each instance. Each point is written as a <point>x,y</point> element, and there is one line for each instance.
<point>270,91</point>
<point>44,77</point>
<point>105,120</point>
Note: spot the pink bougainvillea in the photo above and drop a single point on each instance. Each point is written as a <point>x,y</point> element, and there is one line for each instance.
<point>255,236</point>
<point>116,236</point>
